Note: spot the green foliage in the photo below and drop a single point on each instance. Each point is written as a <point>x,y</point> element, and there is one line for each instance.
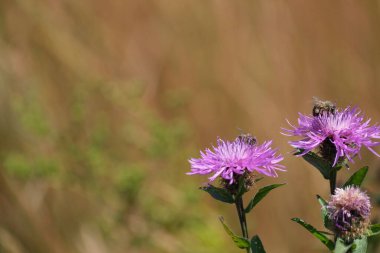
<point>317,234</point>
<point>374,230</point>
<point>326,221</point>
<point>341,247</point>
<point>31,114</point>
<point>321,201</point>
<point>129,182</point>
<point>105,144</point>
<point>257,245</point>
<point>357,178</point>
<point>318,162</point>
<point>200,236</point>
<point>357,246</point>
<point>240,242</point>
<point>165,137</point>
<point>360,245</point>
<point>22,167</point>
<point>220,194</point>
<point>260,195</point>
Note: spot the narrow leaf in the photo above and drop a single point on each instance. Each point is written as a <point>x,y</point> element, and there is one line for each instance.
<point>318,162</point>
<point>260,195</point>
<point>357,178</point>
<point>241,242</point>
<point>258,179</point>
<point>325,232</point>
<point>341,247</point>
<point>321,201</point>
<point>257,245</point>
<point>320,236</point>
<point>219,193</point>
<point>326,221</point>
<point>374,230</point>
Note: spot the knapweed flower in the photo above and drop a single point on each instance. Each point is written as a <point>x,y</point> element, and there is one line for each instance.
<point>349,210</point>
<point>231,159</point>
<point>339,134</point>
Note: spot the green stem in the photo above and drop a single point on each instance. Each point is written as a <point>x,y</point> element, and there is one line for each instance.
<point>333,180</point>
<point>242,219</point>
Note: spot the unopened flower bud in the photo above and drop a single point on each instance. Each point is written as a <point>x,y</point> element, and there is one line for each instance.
<point>349,210</point>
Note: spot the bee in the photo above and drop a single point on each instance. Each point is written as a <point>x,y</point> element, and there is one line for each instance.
<point>321,107</point>
<point>247,138</point>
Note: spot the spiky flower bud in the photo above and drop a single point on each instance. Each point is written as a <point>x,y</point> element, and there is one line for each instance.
<point>349,210</point>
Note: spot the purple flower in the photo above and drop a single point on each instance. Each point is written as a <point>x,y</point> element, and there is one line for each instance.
<point>342,133</point>
<point>349,210</point>
<point>229,159</point>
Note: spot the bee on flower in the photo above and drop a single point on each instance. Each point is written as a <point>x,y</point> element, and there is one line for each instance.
<point>337,134</point>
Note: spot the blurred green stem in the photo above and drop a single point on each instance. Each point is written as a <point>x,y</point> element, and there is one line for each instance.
<point>242,219</point>
<point>333,180</point>
<point>333,175</point>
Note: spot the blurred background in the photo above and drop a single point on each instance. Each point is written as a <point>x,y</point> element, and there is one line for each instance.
<point>103,102</point>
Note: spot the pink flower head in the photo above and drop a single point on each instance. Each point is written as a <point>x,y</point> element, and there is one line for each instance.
<point>229,159</point>
<point>349,210</point>
<point>346,131</point>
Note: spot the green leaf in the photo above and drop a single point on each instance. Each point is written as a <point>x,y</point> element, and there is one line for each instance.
<point>321,201</point>
<point>357,178</point>
<point>360,245</point>
<point>258,179</point>
<point>260,195</point>
<point>326,221</point>
<point>318,162</point>
<point>325,232</point>
<point>257,245</point>
<point>241,242</point>
<point>341,247</point>
<point>320,236</point>
<point>219,194</point>
<point>374,230</point>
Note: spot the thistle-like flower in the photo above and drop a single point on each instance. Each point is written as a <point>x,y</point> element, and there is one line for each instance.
<point>229,160</point>
<point>339,134</point>
<point>349,210</point>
